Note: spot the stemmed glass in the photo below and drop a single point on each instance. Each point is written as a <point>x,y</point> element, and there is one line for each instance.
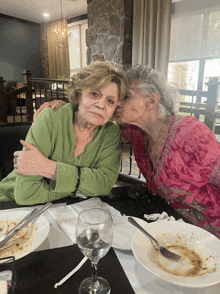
<point>94,233</point>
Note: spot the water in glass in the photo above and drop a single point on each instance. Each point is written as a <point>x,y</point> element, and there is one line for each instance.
<point>94,232</point>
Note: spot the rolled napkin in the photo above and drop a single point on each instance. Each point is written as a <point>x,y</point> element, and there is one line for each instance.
<point>160,217</point>
<point>71,273</point>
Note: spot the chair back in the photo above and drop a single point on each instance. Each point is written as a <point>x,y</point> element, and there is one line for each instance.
<point>10,136</point>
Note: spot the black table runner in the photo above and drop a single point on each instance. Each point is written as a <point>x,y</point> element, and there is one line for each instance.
<point>38,272</point>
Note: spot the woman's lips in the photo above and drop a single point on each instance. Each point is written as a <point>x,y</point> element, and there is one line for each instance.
<point>96,114</point>
<point>116,114</point>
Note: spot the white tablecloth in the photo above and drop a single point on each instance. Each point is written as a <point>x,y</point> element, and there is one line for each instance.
<point>62,218</point>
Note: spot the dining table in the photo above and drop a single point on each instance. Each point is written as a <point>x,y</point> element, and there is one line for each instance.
<point>58,254</point>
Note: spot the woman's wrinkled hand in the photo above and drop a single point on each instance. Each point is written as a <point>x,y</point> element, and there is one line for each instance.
<point>55,104</point>
<point>29,162</point>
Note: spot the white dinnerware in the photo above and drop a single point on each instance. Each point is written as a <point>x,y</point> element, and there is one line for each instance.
<point>124,232</point>
<point>164,251</point>
<point>202,264</point>
<point>38,230</point>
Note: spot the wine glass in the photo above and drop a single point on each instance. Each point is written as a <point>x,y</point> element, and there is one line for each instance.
<point>94,233</point>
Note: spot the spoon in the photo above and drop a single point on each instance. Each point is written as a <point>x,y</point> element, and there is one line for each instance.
<point>165,252</point>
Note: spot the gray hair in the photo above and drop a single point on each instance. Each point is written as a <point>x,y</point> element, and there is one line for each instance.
<point>151,81</point>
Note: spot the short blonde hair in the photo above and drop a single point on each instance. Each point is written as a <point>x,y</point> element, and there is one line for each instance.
<point>93,77</point>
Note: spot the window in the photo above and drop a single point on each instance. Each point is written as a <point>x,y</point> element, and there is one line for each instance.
<point>77,45</point>
<point>184,74</point>
<point>211,69</point>
<point>194,45</point>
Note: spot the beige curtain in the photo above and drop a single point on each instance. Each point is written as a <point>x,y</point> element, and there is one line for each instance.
<point>151,33</point>
<point>58,58</point>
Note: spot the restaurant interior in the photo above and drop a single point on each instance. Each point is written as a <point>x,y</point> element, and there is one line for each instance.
<point>39,54</point>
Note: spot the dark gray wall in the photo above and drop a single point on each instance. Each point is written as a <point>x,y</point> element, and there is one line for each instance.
<point>19,49</point>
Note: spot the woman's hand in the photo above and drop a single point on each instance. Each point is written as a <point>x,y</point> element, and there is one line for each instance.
<point>32,162</point>
<point>55,104</point>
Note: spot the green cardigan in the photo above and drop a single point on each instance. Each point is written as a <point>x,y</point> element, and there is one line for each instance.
<point>52,133</point>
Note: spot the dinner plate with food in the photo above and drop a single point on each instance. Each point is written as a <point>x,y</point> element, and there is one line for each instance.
<point>27,239</point>
<point>200,265</point>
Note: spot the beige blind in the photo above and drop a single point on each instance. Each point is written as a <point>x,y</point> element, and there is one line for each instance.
<point>195,35</point>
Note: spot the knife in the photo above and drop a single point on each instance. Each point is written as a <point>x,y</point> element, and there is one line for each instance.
<point>26,222</point>
<point>23,219</point>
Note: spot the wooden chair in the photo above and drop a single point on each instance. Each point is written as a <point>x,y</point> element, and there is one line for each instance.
<point>10,136</point>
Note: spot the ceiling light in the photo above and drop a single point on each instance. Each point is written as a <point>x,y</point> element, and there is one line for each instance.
<point>60,35</point>
<point>46,14</point>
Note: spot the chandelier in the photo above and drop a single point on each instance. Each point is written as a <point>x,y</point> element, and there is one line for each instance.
<point>60,34</point>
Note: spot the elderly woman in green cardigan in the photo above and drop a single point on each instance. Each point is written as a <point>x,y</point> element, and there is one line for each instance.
<point>73,149</point>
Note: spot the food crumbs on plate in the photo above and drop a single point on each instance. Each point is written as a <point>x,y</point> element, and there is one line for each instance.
<point>192,264</point>
<point>20,242</point>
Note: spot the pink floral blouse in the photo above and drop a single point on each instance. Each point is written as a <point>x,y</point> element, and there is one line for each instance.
<point>188,172</point>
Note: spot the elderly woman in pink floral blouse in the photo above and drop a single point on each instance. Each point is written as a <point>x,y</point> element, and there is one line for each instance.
<point>178,155</point>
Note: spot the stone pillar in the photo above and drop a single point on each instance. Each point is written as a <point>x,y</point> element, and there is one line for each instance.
<point>109,33</point>
<point>44,50</point>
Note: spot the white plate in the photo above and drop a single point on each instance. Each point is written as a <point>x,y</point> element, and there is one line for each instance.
<point>37,236</point>
<point>206,245</point>
<point>124,232</point>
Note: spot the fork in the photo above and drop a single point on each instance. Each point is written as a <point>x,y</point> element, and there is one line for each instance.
<point>32,215</point>
<point>165,252</point>
<point>23,219</point>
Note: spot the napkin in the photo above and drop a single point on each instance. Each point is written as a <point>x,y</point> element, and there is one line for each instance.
<point>3,287</point>
<point>160,217</point>
<point>66,216</point>
<point>79,195</point>
<point>94,202</point>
